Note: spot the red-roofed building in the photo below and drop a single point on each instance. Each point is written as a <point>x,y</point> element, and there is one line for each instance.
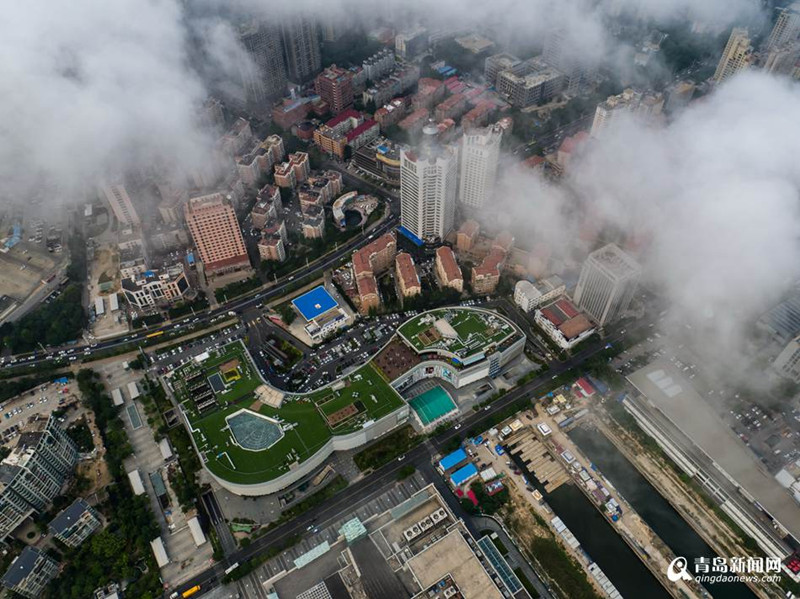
<point>363,134</point>
<point>429,92</point>
<point>290,112</point>
<point>414,121</point>
<point>478,116</point>
<point>448,272</point>
<point>452,108</point>
<point>391,114</point>
<point>368,294</point>
<point>552,316</point>
<point>466,236</point>
<point>569,146</point>
<point>407,278</point>
<point>535,163</point>
<point>504,241</point>
<point>564,323</point>
<point>567,308</point>
<point>584,387</point>
<point>486,275</point>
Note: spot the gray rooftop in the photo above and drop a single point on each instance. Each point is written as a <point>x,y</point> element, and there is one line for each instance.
<point>69,515</point>
<point>21,567</point>
<point>673,395</point>
<point>615,261</point>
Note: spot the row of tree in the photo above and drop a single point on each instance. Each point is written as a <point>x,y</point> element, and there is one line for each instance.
<point>122,550</point>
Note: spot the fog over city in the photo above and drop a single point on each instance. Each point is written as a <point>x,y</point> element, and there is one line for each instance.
<point>98,89</point>
<point>714,206</point>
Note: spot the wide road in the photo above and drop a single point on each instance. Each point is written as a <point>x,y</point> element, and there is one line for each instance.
<point>420,457</point>
<point>238,305</point>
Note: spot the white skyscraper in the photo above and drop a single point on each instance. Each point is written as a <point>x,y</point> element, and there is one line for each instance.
<point>428,181</point>
<point>480,151</point>
<point>608,281</point>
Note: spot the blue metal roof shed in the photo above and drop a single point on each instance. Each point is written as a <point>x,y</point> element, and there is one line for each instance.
<point>448,461</point>
<point>462,475</point>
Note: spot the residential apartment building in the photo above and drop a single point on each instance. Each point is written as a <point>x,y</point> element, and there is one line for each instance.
<point>295,170</point>
<point>272,247</point>
<point>260,160</point>
<point>478,116</point>
<point>73,525</point>
<point>369,262</point>
<point>486,275</point>
<point>448,272</point>
<point>391,86</point>
<point>390,114</point>
<point>335,86</point>
<point>644,105</point>
<point>30,573</point>
<point>467,235</point>
<point>236,139</point>
<point>608,281</point>
<point>35,471</point>
<point>121,205</point>
<point>452,108</point>
<point>529,295</point>
<point>480,154</point>
<point>156,287</point>
<point>379,64</point>
<point>300,36</point>
<point>737,56</point>
<point>787,27</point>
<point>268,206</point>
<point>314,222</point>
<point>406,275</point>
<point>262,70</point>
<point>212,222</point>
<point>428,185</point>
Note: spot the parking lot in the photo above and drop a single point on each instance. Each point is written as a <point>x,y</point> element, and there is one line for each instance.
<point>41,400</point>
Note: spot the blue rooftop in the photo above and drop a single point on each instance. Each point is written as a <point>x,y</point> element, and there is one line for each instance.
<point>448,461</point>
<point>463,474</point>
<point>315,303</point>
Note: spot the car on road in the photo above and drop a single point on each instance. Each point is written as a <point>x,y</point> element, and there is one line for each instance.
<point>401,458</point>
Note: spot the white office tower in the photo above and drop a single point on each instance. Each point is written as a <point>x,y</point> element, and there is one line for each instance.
<point>428,182</point>
<point>608,281</point>
<point>480,152</point>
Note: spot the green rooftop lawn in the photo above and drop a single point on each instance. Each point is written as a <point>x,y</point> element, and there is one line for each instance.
<point>465,322</point>
<point>385,401</point>
<point>311,430</point>
<point>304,440</point>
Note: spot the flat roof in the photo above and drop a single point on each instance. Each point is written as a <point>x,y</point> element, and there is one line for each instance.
<point>21,567</point>
<point>450,460</point>
<point>674,396</point>
<point>463,474</point>
<point>69,515</point>
<point>303,416</point>
<point>453,555</point>
<point>314,303</point>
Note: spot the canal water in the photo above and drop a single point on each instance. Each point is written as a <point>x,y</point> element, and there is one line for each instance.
<point>599,539</point>
<point>651,506</point>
